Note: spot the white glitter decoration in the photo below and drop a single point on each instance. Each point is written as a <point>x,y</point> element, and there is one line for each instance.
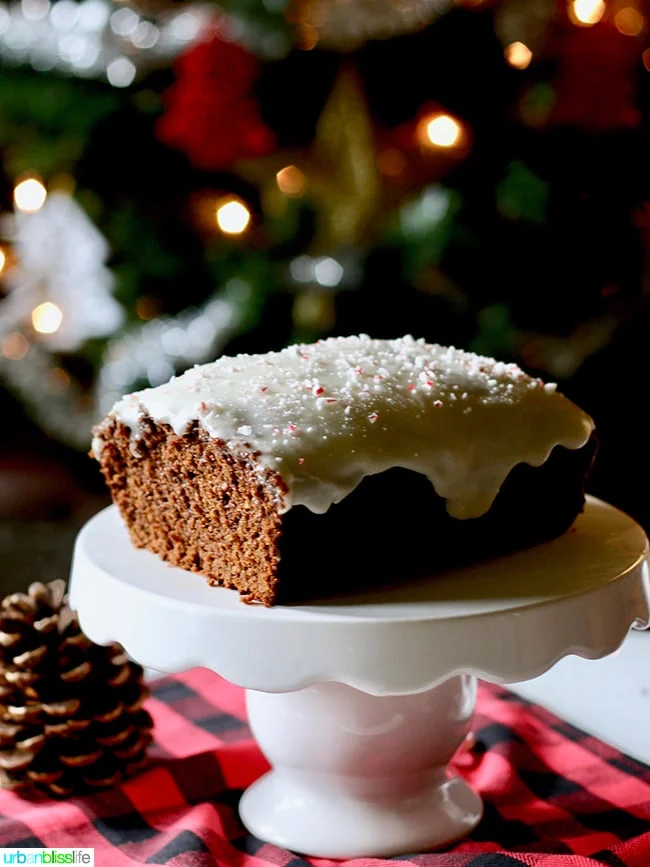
<point>61,257</point>
<point>95,38</point>
<point>153,352</point>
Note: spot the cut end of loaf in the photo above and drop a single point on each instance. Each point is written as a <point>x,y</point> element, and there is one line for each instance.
<point>190,500</point>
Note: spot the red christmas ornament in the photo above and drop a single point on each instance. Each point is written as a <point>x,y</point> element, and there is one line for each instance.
<point>211,114</point>
<point>596,79</point>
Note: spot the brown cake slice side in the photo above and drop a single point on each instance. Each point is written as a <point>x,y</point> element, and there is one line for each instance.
<point>283,475</point>
<point>190,500</point>
<point>197,505</point>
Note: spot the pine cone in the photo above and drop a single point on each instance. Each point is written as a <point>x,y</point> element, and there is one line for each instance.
<point>71,716</point>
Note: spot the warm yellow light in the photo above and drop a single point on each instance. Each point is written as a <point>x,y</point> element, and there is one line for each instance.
<point>391,162</point>
<point>58,380</point>
<point>29,195</point>
<point>518,55</point>
<point>233,216</point>
<point>3,260</point>
<point>147,307</point>
<point>291,181</point>
<point>629,21</point>
<point>14,346</point>
<point>46,318</point>
<point>441,130</point>
<point>586,12</point>
<point>308,37</point>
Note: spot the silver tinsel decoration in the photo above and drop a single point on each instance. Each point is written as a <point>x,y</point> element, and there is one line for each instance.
<point>57,403</point>
<point>95,38</point>
<point>145,355</point>
<point>345,25</point>
<point>152,353</point>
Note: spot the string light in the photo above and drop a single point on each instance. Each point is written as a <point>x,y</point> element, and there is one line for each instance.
<point>291,181</point>
<point>147,307</point>
<point>440,130</point>
<point>586,12</point>
<point>58,380</point>
<point>629,21</point>
<point>518,55</point>
<point>14,346</point>
<point>121,71</point>
<point>29,195</point>
<point>3,260</point>
<point>391,162</point>
<point>46,318</point>
<point>232,216</point>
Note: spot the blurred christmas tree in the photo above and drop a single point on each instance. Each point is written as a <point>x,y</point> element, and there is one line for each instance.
<point>183,179</point>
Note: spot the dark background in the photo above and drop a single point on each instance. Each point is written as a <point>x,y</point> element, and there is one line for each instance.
<point>541,257</point>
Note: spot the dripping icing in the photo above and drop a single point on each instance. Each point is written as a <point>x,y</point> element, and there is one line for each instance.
<point>325,415</point>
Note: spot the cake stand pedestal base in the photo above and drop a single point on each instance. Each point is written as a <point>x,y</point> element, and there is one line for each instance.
<point>355,773</point>
<point>359,703</point>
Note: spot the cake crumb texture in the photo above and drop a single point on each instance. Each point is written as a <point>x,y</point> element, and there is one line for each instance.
<point>197,505</point>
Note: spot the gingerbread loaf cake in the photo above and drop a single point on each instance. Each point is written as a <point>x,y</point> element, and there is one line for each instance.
<point>347,462</point>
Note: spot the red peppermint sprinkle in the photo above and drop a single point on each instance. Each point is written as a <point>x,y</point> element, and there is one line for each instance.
<point>359,370</point>
<point>318,390</point>
<point>292,427</point>
<point>203,406</point>
<point>305,357</point>
<point>372,418</point>
<point>264,388</point>
<point>411,386</point>
<point>330,400</point>
<point>429,383</point>
<point>301,460</point>
<point>437,403</point>
<point>378,377</point>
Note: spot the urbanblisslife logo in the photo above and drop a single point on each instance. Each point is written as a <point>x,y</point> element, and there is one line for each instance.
<point>57,855</point>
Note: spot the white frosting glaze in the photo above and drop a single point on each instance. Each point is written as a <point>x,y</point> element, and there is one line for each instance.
<point>325,415</point>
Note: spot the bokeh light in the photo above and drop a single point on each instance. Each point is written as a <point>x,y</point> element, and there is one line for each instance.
<point>14,346</point>
<point>291,181</point>
<point>232,216</point>
<point>586,12</point>
<point>121,71</point>
<point>440,130</point>
<point>58,381</point>
<point>46,318</point>
<point>3,260</point>
<point>391,162</point>
<point>518,55</point>
<point>29,195</point>
<point>629,21</point>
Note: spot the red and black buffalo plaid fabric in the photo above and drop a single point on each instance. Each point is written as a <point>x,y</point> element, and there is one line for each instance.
<point>554,797</point>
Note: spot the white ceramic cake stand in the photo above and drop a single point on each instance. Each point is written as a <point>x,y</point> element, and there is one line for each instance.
<point>360,703</point>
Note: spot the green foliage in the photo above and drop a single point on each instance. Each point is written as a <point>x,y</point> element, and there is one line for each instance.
<point>522,195</point>
<point>46,120</point>
<point>424,226</point>
<point>536,104</point>
<point>496,332</point>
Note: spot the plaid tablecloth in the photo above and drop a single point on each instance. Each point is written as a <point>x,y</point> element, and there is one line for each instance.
<point>554,797</point>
